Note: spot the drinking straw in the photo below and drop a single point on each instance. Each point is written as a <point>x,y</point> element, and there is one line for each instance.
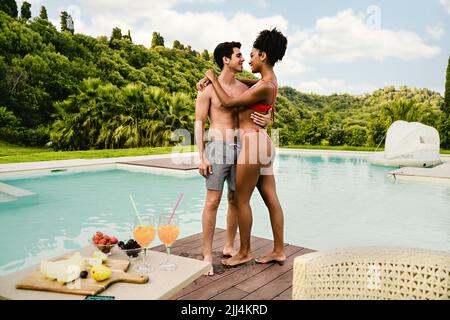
<point>136,210</point>
<point>175,209</point>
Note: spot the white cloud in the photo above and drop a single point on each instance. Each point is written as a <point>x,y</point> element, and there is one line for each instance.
<point>446,4</point>
<point>330,86</point>
<point>261,3</point>
<point>206,30</point>
<point>201,30</point>
<point>346,37</point>
<point>436,31</point>
<point>32,2</point>
<point>292,66</point>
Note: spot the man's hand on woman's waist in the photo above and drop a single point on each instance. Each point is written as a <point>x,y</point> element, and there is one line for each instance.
<point>261,119</point>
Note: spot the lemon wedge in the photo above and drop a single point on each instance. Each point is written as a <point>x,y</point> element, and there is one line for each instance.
<point>93,261</point>
<point>100,255</point>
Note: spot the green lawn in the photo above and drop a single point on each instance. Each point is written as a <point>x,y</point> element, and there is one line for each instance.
<point>12,154</point>
<point>346,148</point>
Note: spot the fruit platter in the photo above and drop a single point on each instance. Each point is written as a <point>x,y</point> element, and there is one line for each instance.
<point>82,275</point>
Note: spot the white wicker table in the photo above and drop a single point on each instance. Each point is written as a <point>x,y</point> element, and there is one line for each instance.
<point>372,273</point>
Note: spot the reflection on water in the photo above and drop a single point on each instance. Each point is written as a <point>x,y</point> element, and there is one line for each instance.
<point>332,201</point>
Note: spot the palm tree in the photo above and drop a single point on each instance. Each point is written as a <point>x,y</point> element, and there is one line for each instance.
<point>104,116</point>
<point>82,116</point>
<point>402,109</point>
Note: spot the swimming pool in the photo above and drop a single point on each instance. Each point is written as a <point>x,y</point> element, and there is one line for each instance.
<point>329,201</point>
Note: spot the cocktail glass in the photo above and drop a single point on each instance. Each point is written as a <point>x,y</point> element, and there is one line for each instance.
<point>144,232</point>
<point>168,231</point>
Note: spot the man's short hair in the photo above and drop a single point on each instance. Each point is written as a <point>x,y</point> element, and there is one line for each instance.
<point>224,49</point>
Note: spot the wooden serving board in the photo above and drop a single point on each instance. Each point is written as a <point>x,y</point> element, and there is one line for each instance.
<point>87,287</point>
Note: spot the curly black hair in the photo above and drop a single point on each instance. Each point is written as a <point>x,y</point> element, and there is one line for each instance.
<point>273,43</point>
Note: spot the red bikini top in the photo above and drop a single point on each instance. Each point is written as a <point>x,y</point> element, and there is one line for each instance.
<point>261,107</point>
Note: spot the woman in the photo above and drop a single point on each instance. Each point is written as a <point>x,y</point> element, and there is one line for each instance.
<point>254,167</point>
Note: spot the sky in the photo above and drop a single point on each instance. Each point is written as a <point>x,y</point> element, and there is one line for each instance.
<point>351,46</point>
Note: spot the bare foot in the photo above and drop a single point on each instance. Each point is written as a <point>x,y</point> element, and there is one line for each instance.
<point>280,258</point>
<point>228,251</point>
<point>237,260</point>
<point>210,272</point>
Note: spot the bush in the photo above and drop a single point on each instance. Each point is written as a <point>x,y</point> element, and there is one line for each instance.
<point>37,137</point>
<point>12,131</point>
<point>356,136</point>
<point>8,119</point>
<point>336,137</point>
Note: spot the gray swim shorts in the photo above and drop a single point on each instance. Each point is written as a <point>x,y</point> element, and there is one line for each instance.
<point>223,157</point>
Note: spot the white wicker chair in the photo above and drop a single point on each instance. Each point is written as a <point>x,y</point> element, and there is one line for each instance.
<point>372,273</point>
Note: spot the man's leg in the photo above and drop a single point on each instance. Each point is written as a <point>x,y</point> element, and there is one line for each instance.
<point>232,225</point>
<point>209,223</point>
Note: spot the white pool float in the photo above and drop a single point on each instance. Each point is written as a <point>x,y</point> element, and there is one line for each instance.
<point>409,144</point>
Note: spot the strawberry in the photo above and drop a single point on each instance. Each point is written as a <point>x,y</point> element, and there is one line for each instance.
<point>114,240</point>
<point>103,242</point>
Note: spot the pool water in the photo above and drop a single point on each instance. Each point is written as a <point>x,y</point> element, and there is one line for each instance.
<point>328,202</point>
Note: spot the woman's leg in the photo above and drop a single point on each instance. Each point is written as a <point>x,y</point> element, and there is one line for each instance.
<point>267,189</point>
<point>247,174</point>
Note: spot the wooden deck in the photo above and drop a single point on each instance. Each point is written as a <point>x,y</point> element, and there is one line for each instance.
<point>179,163</point>
<point>250,281</point>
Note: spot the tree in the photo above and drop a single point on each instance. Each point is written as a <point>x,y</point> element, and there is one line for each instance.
<point>116,34</point>
<point>402,109</point>
<point>64,18</point>
<point>10,7</point>
<point>25,10</point>
<point>205,55</point>
<point>444,127</point>
<point>157,40</point>
<point>43,13</point>
<point>356,136</point>
<point>446,108</point>
<point>128,36</point>
<point>102,39</point>
<point>177,45</point>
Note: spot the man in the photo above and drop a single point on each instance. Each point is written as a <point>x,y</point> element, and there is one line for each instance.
<point>218,160</point>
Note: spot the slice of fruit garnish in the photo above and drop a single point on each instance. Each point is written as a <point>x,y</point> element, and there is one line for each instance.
<point>100,255</point>
<point>93,261</point>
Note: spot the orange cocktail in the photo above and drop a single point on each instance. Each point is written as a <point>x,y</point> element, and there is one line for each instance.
<point>144,232</point>
<point>168,231</point>
<point>144,235</point>
<point>168,234</point>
